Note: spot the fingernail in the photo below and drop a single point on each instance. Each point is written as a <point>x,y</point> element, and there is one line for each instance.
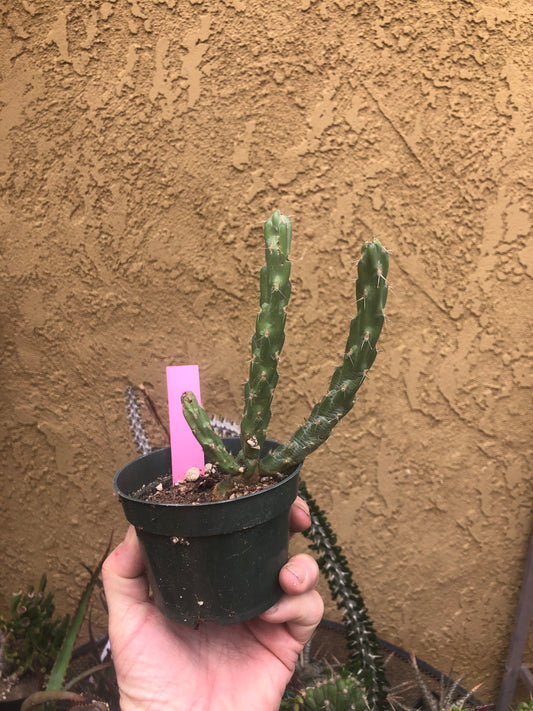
<point>302,506</point>
<point>297,574</point>
<point>271,610</point>
<point>130,535</point>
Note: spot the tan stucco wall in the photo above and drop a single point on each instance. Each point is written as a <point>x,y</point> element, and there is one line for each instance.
<point>142,142</point>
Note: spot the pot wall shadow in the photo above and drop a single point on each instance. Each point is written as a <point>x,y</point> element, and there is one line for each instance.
<point>142,146</point>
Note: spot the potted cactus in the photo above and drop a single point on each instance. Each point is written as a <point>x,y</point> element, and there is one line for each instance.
<point>220,559</point>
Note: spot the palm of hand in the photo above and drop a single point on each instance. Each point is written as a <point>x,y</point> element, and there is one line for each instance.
<point>162,665</point>
<point>210,668</point>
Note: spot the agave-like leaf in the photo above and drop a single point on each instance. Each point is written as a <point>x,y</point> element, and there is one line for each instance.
<point>59,670</point>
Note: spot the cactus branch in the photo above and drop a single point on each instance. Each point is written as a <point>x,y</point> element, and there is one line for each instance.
<point>360,353</point>
<point>268,339</point>
<point>212,444</point>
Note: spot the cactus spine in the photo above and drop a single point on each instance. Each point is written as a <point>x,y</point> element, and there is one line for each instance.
<point>267,342</point>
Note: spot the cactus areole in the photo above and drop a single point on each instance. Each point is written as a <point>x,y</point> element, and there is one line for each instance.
<point>267,342</point>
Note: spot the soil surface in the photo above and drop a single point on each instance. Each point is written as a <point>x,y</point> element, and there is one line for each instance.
<point>199,491</point>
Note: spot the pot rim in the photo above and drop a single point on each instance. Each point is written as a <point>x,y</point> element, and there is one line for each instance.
<point>197,506</point>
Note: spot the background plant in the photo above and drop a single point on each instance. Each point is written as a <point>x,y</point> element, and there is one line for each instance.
<point>364,656</point>
<point>31,635</point>
<point>525,705</point>
<point>450,697</point>
<point>341,692</point>
<point>35,641</point>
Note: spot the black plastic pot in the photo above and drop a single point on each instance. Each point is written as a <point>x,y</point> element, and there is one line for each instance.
<point>215,561</point>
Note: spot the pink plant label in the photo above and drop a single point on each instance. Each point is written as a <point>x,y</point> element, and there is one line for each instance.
<point>186,451</point>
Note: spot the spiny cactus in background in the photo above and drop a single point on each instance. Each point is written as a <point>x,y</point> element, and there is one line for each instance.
<point>224,427</point>
<point>449,699</point>
<point>136,425</point>
<point>342,692</point>
<point>364,660</point>
<point>360,352</point>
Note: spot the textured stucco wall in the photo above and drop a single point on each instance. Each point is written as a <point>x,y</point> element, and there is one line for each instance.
<point>142,142</point>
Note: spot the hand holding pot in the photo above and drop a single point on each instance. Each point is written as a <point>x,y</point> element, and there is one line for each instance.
<point>161,664</point>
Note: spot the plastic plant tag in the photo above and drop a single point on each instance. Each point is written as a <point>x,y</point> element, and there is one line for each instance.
<point>186,451</point>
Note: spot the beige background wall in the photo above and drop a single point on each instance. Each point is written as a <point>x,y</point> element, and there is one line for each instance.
<point>143,142</point>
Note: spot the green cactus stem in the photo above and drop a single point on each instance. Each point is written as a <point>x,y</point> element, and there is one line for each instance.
<point>267,341</point>
<point>342,692</point>
<point>360,353</point>
<point>212,444</point>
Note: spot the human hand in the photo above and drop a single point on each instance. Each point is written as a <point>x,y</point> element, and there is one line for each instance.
<point>161,664</point>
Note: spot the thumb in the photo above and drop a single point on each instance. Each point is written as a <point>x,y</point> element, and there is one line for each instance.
<point>123,573</point>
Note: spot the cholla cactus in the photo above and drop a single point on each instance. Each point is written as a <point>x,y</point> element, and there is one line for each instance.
<point>267,342</point>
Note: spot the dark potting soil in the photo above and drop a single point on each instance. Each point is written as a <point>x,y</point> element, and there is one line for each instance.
<point>199,491</point>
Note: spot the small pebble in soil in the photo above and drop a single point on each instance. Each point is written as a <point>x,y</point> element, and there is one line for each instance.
<point>192,474</point>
